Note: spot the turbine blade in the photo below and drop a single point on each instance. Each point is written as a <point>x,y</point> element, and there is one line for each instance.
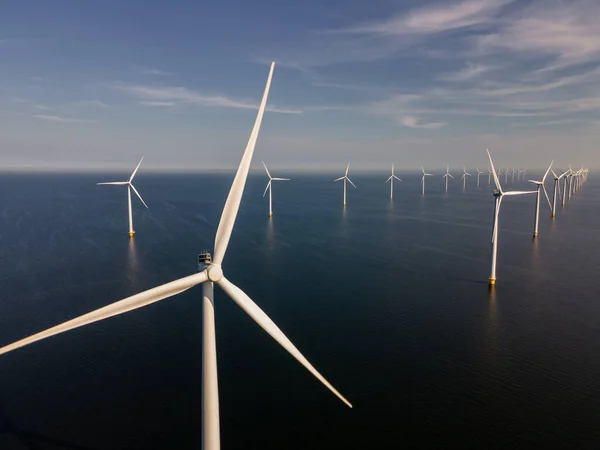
<point>232,205</point>
<point>136,169</point>
<point>397,178</point>
<point>547,198</point>
<point>280,179</point>
<point>338,179</point>
<point>350,181</point>
<point>422,170</point>
<point>267,171</point>
<point>451,176</point>
<point>120,307</point>
<point>138,194</point>
<point>258,315</point>
<point>115,182</point>
<point>347,168</point>
<point>519,192</point>
<point>534,181</point>
<point>546,174</point>
<point>388,180</point>
<point>496,180</point>
<point>267,188</point>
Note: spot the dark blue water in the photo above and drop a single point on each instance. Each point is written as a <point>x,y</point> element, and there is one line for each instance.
<point>388,300</point>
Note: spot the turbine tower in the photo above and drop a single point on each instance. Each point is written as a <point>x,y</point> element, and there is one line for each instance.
<point>270,188</point>
<point>478,173</point>
<point>423,180</point>
<point>391,181</point>
<point>447,175</point>
<point>130,186</point>
<point>464,177</point>
<point>210,272</point>
<point>540,186</point>
<point>556,190</point>
<point>345,178</point>
<point>498,195</point>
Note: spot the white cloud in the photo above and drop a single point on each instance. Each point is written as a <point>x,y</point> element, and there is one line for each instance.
<point>414,122</point>
<point>42,107</point>
<point>61,119</point>
<point>468,73</point>
<point>157,72</point>
<point>181,95</point>
<point>160,104</point>
<point>89,103</point>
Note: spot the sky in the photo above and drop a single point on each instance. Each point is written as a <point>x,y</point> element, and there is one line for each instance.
<point>90,85</point>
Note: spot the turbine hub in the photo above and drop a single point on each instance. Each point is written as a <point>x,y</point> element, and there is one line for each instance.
<point>214,273</point>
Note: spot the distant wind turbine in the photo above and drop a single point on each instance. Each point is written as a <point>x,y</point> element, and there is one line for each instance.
<point>540,186</point>
<point>464,177</point>
<point>211,272</point>
<point>447,175</point>
<point>423,180</point>
<point>270,188</point>
<point>498,195</point>
<point>130,186</point>
<point>556,190</point>
<point>345,178</point>
<point>478,173</point>
<point>391,181</point>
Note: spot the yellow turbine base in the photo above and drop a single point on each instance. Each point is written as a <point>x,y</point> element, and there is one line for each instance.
<point>535,233</point>
<point>270,214</point>
<point>492,281</point>
<point>344,204</point>
<point>131,233</point>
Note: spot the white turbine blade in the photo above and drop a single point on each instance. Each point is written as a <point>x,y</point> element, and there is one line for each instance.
<point>467,174</point>
<point>496,180</point>
<point>347,168</point>
<point>338,179</point>
<point>388,180</point>
<point>547,198</point>
<point>422,170</point>
<point>428,174</point>
<point>534,181</point>
<point>267,188</point>
<point>546,174</point>
<point>519,192</point>
<point>136,169</point>
<point>268,173</point>
<point>138,194</point>
<point>232,205</point>
<point>115,182</point>
<point>451,176</point>
<point>280,179</point>
<point>258,315</point>
<point>554,173</point>
<point>122,306</point>
<point>397,178</point>
<point>350,181</point>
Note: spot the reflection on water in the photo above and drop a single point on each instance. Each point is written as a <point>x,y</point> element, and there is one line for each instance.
<point>132,264</point>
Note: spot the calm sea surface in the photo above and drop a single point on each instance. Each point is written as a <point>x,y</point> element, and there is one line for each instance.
<point>388,300</point>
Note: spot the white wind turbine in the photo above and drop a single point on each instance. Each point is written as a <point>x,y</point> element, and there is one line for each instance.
<point>464,177</point>
<point>556,190</point>
<point>513,175</point>
<point>391,181</point>
<point>447,175</point>
<point>423,180</point>
<point>564,196</point>
<point>270,188</point>
<point>345,178</point>
<point>498,195</point>
<point>540,186</point>
<point>478,173</point>
<point>489,176</point>
<point>210,273</point>
<point>506,175</point>
<point>130,186</point>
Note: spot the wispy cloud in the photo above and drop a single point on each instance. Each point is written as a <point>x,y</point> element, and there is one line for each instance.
<point>88,104</point>
<point>157,72</point>
<point>42,107</point>
<point>414,122</point>
<point>466,74</point>
<point>62,119</point>
<point>178,95</point>
<point>159,104</point>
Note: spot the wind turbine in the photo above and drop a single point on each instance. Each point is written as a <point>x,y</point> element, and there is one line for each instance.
<point>210,272</point>
<point>270,188</point>
<point>423,180</point>
<point>464,177</point>
<point>345,177</point>
<point>556,190</point>
<point>564,196</point>
<point>513,175</point>
<point>540,186</point>
<point>478,173</point>
<point>506,175</point>
<point>446,176</point>
<point>130,186</point>
<point>391,181</point>
<point>498,195</point>
<point>489,176</point>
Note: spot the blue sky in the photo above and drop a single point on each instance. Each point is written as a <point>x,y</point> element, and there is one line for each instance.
<point>89,85</point>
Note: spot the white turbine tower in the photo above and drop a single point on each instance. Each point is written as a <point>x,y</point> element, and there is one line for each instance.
<point>489,176</point>
<point>391,181</point>
<point>513,175</point>
<point>556,190</point>
<point>423,180</point>
<point>464,177</point>
<point>498,195</point>
<point>130,186</point>
<point>447,175</point>
<point>270,188</point>
<point>345,178</point>
<point>478,174</point>
<point>211,272</point>
<point>540,186</point>
<point>564,196</point>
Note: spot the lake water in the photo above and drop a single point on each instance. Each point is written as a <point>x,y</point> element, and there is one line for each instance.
<point>389,300</point>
